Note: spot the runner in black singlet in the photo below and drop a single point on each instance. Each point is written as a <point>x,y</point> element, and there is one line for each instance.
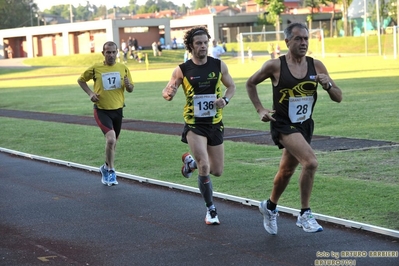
<point>202,78</point>
<point>295,78</point>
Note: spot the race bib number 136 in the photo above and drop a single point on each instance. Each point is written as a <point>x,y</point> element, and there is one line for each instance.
<point>204,105</point>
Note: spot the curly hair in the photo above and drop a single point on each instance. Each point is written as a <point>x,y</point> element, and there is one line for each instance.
<point>189,36</point>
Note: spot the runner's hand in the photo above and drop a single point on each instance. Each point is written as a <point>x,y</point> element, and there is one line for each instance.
<point>266,115</point>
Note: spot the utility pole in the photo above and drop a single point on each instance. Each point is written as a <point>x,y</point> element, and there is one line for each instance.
<point>365,25</point>
<point>397,12</point>
<point>70,13</point>
<point>378,26</point>
<point>30,11</point>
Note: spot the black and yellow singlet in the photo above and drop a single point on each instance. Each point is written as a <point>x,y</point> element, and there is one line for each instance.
<point>295,98</point>
<point>202,86</point>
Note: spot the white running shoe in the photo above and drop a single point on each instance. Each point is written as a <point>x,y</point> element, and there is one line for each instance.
<point>104,175</point>
<point>186,170</point>
<point>212,217</point>
<point>308,223</point>
<point>269,218</point>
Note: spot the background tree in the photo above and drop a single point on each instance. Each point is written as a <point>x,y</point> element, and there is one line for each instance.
<point>345,6</point>
<point>142,10</point>
<point>220,3</point>
<point>312,4</point>
<point>274,9</point>
<point>17,13</point>
<point>153,9</point>
<point>81,13</point>
<point>124,10</point>
<point>183,9</point>
<point>332,31</point>
<point>133,7</point>
<point>200,4</point>
<point>393,11</point>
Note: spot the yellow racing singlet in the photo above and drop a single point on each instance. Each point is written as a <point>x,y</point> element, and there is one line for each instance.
<point>108,83</point>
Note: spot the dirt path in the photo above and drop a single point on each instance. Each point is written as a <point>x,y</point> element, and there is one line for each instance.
<point>321,143</point>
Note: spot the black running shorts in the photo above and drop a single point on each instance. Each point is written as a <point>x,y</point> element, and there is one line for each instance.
<point>284,126</point>
<point>214,133</point>
<point>109,120</point>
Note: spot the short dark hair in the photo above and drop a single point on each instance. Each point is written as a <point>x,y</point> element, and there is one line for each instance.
<point>110,43</point>
<point>288,30</point>
<point>189,36</point>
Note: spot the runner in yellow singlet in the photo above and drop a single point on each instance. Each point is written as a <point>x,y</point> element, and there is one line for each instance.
<point>111,79</point>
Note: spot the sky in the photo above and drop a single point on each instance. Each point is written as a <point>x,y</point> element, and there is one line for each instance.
<point>46,4</point>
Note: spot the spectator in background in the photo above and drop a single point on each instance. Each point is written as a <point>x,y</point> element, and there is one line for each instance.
<point>10,52</point>
<point>125,50</point>
<point>135,44</point>
<point>216,50</point>
<point>118,55</point>
<point>162,40</point>
<point>186,56</point>
<point>278,50</point>
<point>224,47</point>
<point>271,51</point>
<point>140,56</point>
<point>174,43</point>
<point>159,49</point>
<point>155,48</point>
<point>130,44</point>
<point>250,54</point>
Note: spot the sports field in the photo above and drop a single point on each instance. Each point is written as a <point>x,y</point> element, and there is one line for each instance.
<point>360,185</point>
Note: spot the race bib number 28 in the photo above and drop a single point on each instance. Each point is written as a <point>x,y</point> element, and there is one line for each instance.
<point>204,105</point>
<point>300,108</point>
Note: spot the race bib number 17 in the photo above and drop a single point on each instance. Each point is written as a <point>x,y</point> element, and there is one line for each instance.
<point>111,80</point>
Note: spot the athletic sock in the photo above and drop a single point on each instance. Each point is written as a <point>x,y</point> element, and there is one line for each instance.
<point>205,186</point>
<point>271,205</point>
<point>304,210</point>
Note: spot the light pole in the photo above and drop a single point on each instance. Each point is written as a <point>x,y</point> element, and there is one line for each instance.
<point>30,11</point>
<point>365,26</point>
<point>377,4</point>
<point>397,12</point>
<point>71,13</point>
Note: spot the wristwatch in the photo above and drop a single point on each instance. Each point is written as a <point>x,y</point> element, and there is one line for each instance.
<point>226,100</point>
<point>329,87</point>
